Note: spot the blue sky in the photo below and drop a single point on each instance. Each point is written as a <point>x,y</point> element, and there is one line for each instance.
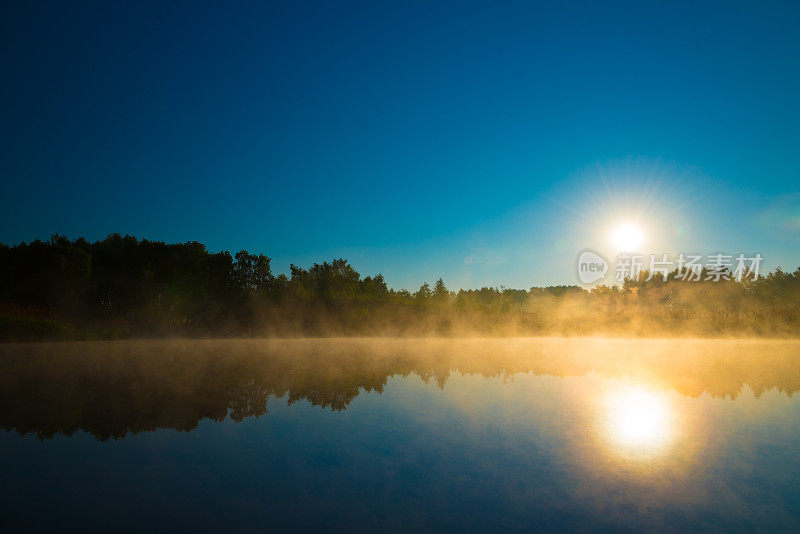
<point>484,142</point>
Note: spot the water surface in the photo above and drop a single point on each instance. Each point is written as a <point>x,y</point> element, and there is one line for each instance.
<point>399,435</point>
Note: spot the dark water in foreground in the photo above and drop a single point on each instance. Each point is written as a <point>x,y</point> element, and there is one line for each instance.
<point>401,435</point>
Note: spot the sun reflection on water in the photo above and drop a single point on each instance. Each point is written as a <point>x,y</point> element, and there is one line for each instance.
<point>638,421</point>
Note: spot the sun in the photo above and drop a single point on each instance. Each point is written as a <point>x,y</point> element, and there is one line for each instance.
<point>627,237</point>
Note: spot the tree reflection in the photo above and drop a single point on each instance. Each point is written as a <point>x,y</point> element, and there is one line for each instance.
<point>110,389</point>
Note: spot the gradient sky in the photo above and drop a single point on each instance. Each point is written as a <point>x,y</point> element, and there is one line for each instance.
<point>487,143</point>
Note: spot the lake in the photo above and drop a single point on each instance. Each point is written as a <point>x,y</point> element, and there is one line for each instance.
<point>401,435</point>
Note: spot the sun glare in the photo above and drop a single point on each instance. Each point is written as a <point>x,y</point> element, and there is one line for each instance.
<point>627,237</point>
<point>638,420</point>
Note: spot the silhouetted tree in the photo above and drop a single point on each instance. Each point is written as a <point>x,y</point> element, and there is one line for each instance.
<point>122,286</point>
<point>440,292</point>
<point>423,293</point>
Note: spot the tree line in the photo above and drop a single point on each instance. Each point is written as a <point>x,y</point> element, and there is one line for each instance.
<point>122,287</point>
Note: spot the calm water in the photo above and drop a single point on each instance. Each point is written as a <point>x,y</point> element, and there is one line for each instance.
<point>401,435</point>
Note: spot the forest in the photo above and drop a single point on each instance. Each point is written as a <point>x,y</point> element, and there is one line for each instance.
<point>124,287</point>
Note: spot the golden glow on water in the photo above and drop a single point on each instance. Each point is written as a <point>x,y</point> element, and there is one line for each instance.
<point>622,434</point>
<point>638,421</point>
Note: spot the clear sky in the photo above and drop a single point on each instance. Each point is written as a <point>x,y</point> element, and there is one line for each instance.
<point>484,142</point>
